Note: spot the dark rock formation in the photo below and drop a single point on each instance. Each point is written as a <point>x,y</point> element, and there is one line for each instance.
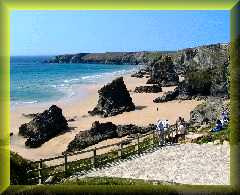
<point>44,126</point>
<point>103,131</point>
<point>167,96</point>
<point>114,99</point>
<point>141,73</point>
<point>209,82</point>
<point>97,133</point>
<point>72,119</point>
<point>201,84</point>
<point>163,72</point>
<point>148,89</point>
<point>201,58</point>
<point>137,75</point>
<point>123,130</point>
<point>208,112</point>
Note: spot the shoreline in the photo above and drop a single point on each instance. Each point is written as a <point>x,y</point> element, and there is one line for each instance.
<point>70,91</point>
<point>145,113</point>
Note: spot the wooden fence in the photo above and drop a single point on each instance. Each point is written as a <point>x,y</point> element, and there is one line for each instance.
<point>123,149</point>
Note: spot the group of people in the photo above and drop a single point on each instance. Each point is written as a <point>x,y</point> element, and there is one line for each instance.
<point>222,122</point>
<point>163,129</point>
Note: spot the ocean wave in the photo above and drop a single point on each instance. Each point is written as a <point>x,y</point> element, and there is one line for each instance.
<point>70,80</point>
<point>106,75</point>
<point>30,102</point>
<point>13,103</point>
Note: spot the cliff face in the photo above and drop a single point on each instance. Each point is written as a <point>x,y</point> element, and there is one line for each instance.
<point>202,57</point>
<point>133,58</point>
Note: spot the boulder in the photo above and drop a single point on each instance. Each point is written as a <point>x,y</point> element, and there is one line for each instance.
<point>153,81</point>
<point>114,98</point>
<point>44,126</point>
<point>148,89</point>
<point>167,96</point>
<point>97,133</point>
<point>137,75</point>
<point>123,130</point>
<point>103,131</point>
<point>141,73</point>
<point>208,112</point>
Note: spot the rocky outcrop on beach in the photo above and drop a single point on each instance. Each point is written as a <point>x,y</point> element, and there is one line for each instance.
<point>44,126</point>
<point>102,131</point>
<point>167,96</point>
<point>97,133</point>
<point>141,73</point>
<point>162,72</point>
<point>123,130</point>
<point>148,89</point>
<point>114,99</point>
<point>208,112</point>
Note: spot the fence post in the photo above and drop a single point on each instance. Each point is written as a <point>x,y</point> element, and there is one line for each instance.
<point>65,162</point>
<point>138,149</point>
<point>120,150</point>
<point>40,172</point>
<point>93,159</point>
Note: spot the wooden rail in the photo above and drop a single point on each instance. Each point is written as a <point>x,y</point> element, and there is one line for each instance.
<point>93,159</point>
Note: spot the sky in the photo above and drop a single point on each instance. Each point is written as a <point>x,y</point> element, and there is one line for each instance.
<point>62,32</point>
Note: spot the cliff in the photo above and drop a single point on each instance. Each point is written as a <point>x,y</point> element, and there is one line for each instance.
<point>133,58</point>
<point>202,57</point>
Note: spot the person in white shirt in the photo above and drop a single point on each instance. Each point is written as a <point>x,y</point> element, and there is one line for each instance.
<point>160,130</point>
<point>181,128</point>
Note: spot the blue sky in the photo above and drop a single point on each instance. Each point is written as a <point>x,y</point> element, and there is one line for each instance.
<point>61,32</point>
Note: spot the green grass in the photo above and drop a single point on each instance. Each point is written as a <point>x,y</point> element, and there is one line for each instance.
<point>222,136</point>
<point>115,186</point>
<point>105,181</point>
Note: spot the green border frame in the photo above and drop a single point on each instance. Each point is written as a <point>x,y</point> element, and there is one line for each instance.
<point>6,6</point>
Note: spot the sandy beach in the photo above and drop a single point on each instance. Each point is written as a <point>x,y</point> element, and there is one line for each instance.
<point>78,107</point>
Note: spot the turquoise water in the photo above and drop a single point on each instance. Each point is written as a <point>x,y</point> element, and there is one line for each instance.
<point>33,81</point>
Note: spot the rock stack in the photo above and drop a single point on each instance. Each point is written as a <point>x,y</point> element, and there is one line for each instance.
<point>162,72</point>
<point>44,126</point>
<point>114,99</point>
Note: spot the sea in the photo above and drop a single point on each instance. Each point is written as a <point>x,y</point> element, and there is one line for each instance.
<point>32,81</point>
